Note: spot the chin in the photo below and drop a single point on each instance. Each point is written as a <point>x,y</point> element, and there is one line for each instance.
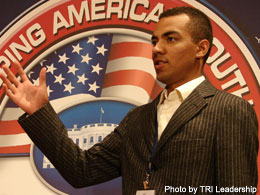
<point>161,79</point>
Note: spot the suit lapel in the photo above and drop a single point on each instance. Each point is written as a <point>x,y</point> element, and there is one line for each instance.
<point>195,102</point>
<point>149,122</point>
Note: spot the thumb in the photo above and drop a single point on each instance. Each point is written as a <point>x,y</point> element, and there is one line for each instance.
<point>43,78</point>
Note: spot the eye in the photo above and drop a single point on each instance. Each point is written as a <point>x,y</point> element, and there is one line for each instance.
<point>171,39</point>
<point>153,42</point>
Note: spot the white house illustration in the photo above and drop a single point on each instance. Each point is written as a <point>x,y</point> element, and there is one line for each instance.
<point>86,136</point>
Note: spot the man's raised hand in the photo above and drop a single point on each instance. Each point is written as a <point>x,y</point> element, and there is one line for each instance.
<point>28,97</point>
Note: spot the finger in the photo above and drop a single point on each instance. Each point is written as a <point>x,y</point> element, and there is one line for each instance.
<point>20,71</point>
<point>8,92</point>
<point>7,83</point>
<point>43,77</point>
<point>11,77</point>
<point>2,76</point>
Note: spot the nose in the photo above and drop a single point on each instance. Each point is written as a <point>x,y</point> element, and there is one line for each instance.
<point>158,47</point>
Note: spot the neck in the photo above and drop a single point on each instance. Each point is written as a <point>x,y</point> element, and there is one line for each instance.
<point>197,73</point>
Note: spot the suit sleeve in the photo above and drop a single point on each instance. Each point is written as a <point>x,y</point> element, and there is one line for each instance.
<point>236,146</point>
<point>80,168</point>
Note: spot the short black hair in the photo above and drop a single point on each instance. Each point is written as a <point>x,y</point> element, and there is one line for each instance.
<point>199,25</point>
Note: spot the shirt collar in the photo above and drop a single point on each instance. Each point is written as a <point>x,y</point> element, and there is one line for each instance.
<point>182,91</point>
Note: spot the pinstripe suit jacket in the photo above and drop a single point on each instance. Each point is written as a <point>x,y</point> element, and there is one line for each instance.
<point>211,140</point>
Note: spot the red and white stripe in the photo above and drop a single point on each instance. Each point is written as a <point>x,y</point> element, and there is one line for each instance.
<point>13,140</point>
<point>130,71</point>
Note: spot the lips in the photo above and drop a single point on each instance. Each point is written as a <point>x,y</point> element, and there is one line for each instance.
<point>159,62</point>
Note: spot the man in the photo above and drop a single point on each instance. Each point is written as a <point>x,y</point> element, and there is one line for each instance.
<point>191,135</point>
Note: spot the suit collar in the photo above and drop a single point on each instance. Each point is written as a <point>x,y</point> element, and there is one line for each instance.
<point>206,89</point>
<point>194,103</point>
<point>149,123</point>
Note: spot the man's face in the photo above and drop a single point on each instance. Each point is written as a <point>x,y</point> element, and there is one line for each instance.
<point>174,53</point>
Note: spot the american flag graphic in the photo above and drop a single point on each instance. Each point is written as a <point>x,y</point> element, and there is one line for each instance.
<point>106,65</point>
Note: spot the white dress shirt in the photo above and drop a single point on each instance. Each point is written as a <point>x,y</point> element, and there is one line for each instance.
<point>168,104</point>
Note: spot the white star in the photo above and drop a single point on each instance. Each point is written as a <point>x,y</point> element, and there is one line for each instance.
<point>76,48</point>
<point>258,39</point>
<point>63,58</point>
<point>101,50</point>
<point>96,68</point>
<point>86,58</point>
<point>82,79</point>
<point>30,74</point>
<point>59,79</point>
<point>68,87</point>
<point>51,68</point>
<point>72,69</point>
<point>93,87</point>
<point>49,90</point>
<point>41,62</point>
<point>92,40</point>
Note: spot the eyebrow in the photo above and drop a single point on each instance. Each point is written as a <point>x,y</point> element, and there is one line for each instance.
<point>166,34</point>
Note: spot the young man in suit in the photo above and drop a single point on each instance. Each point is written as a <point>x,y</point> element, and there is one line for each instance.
<point>191,135</point>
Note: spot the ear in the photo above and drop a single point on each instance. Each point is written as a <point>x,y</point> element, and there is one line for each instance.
<point>202,48</point>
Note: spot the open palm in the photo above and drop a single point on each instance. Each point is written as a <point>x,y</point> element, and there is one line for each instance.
<point>28,97</point>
